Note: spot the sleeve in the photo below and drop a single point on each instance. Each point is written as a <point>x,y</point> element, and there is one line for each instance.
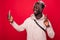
<point>19,27</point>
<point>50,31</point>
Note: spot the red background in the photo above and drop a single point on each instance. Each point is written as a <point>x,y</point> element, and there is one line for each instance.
<point>20,10</point>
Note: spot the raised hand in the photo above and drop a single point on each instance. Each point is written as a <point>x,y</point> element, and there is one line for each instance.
<point>10,18</point>
<point>46,22</point>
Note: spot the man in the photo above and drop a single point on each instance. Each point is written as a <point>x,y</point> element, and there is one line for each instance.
<point>36,24</point>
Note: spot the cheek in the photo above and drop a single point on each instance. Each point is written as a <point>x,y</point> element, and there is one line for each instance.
<point>35,12</point>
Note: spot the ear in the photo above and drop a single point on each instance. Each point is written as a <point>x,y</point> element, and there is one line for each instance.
<point>42,5</point>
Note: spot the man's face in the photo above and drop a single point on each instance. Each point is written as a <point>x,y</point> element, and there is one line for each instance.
<point>37,8</point>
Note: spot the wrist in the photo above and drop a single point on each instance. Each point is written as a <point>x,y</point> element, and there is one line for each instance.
<point>11,21</point>
<point>48,26</point>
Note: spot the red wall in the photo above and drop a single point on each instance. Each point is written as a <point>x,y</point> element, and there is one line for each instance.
<point>20,10</point>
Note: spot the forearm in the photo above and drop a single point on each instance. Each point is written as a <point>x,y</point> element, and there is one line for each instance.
<point>17,27</point>
<point>50,31</point>
<point>14,24</point>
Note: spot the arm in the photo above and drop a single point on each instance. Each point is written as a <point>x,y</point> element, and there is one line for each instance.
<point>18,27</point>
<point>50,31</point>
<point>15,25</point>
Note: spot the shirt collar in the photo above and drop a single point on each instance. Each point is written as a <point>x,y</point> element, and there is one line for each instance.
<point>33,17</point>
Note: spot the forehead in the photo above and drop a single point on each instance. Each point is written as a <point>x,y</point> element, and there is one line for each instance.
<point>37,3</point>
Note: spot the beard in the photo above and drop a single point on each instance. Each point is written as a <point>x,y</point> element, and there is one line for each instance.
<point>37,13</point>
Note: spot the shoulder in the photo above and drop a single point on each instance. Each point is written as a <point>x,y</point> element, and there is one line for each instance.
<point>27,20</point>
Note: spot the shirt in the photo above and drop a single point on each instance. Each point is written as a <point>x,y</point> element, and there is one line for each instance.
<point>34,32</point>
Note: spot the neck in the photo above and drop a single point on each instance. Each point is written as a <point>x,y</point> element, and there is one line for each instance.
<point>38,16</point>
